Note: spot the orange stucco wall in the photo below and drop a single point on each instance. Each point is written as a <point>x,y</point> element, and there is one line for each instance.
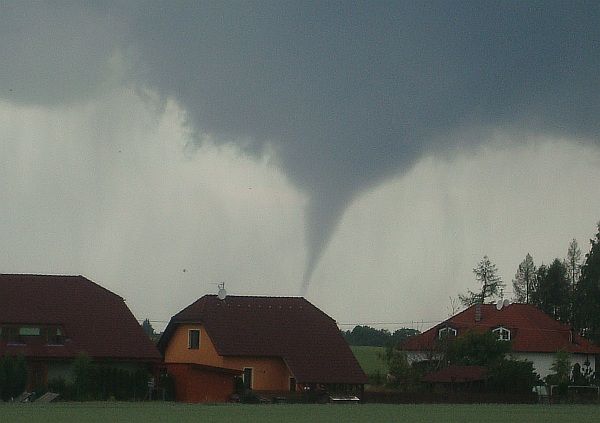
<point>268,373</point>
<point>198,385</point>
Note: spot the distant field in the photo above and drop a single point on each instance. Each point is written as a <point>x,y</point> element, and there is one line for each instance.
<point>369,360</point>
<point>181,413</point>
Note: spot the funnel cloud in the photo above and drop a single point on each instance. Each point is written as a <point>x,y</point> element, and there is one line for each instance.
<point>343,94</point>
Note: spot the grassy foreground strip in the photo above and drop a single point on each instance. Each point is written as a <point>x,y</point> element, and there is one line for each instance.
<point>180,413</point>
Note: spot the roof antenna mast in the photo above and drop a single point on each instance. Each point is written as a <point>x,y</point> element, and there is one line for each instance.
<point>222,293</point>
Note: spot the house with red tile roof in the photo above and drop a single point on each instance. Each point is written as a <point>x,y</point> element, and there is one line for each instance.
<point>274,344</point>
<point>534,335</point>
<point>50,320</point>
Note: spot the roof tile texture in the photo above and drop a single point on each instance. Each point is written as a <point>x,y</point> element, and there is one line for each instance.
<point>531,330</point>
<point>95,320</point>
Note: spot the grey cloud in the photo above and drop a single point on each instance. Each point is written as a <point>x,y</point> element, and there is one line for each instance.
<point>348,94</point>
<point>55,52</point>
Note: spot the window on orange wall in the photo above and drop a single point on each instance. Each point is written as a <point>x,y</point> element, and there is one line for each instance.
<point>194,339</point>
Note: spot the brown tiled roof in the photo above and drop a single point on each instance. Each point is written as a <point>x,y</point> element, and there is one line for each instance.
<point>307,339</point>
<point>532,330</point>
<point>95,320</point>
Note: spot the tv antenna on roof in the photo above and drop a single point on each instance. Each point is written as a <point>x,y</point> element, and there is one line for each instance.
<point>222,293</point>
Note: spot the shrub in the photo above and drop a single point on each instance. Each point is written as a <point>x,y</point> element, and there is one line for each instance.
<point>13,376</point>
<point>512,376</point>
<point>101,382</point>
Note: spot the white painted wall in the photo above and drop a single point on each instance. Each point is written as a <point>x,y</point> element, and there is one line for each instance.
<point>543,361</point>
<point>416,356</point>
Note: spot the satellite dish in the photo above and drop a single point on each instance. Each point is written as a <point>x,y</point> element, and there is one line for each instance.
<point>222,293</point>
<point>506,302</point>
<point>499,305</point>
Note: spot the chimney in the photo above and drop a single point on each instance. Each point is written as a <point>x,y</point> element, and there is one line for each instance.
<point>477,313</point>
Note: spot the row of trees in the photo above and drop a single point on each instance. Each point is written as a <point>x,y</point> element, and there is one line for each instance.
<point>567,289</point>
<point>149,330</point>
<point>368,336</point>
<point>93,381</point>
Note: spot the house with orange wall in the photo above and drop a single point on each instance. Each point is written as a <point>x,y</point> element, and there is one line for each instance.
<point>274,344</point>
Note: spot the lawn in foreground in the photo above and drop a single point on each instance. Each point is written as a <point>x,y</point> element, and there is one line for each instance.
<point>180,413</point>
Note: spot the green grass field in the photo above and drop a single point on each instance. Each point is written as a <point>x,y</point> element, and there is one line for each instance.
<point>369,359</point>
<point>180,413</point>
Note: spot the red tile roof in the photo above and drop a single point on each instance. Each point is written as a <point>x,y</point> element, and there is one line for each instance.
<point>531,330</point>
<point>94,320</point>
<point>307,339</point>
<point>456,374</point>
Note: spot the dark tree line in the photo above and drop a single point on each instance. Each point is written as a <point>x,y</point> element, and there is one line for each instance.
<point>13,376</point>
<point>149,330</point>
<point>368,336</point>
<point>567,289</point>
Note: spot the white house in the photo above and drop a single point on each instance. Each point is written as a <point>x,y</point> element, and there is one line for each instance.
<point>534,335</point>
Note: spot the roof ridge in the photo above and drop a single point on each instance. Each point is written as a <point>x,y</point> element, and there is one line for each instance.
<point>258,296</point>
<point>59,276</point>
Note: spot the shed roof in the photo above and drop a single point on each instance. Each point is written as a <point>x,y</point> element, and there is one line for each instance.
<point>95,320</point>
<point>532,330</point>
<point>307,339</point>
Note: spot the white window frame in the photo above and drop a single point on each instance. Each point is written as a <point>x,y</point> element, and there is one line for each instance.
<point>446,332</point>
<point>190,338</point>
<point>503,333</point>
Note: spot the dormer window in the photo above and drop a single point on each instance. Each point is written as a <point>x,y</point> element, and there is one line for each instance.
<point>446,332</point>
<point>503,333</point>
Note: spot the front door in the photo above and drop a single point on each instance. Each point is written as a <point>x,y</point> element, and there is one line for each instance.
<point>248,377</point>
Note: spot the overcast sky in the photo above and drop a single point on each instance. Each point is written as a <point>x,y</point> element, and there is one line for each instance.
<point>365,155</point>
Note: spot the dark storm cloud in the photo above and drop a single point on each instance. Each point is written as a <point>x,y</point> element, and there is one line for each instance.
<point>347,93</point>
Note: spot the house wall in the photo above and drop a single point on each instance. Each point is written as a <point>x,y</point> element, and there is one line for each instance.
<point>269,373</point>
<point>542,362</point>
<point>417,356</point>
<point>199,385</point>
